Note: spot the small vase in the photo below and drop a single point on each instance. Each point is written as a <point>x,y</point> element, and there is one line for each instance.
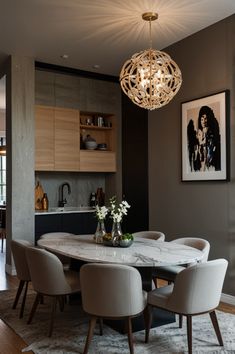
<point>116,233</point>
<point>100,232</point>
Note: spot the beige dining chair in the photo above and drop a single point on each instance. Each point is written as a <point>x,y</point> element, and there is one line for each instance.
<point>50,279</point>
<point>154,235</point>
<point>111,291</point>
<point>18,248</point>
<point>54,236</point>
<point>197,290</point>
<point>169,273</point>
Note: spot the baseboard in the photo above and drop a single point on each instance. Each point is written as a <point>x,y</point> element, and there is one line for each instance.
<point>228,299</point>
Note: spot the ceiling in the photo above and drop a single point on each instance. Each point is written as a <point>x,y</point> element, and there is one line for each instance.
<point>99,35</point>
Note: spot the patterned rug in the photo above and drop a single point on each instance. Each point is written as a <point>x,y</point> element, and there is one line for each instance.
<point>70,329</point>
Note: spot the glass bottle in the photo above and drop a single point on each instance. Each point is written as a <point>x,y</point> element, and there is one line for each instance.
<point>92,200</point>
<point>116,233</point>
<point>100,232</point>
<point>45,202</point>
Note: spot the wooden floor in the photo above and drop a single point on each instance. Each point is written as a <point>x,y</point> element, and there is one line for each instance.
<point>10,342</point>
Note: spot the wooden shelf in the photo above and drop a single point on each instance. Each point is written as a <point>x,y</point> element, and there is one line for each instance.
<point>94,127</point>
<point>96,150</point>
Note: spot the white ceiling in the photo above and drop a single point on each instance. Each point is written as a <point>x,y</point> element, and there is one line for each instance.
<point>99,32</point>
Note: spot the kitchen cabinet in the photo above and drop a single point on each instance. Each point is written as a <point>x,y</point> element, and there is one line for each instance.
<point>76,223</point>
<point>44,138</point>
<point>47,223</point>
<point>59,135</point>
<point>56,139</point>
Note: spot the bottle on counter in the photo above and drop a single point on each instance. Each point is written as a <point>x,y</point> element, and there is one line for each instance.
<point>45,202</point>
<point>100,196</point>
<point>93,200</point>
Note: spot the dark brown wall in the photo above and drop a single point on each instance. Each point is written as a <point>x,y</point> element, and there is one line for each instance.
<point>200,209</point>
<point>135,165</point>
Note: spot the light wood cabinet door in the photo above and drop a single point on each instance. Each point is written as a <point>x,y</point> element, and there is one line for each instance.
<point>44,138</point>
<point>97,161</point>
<point>67,140</point>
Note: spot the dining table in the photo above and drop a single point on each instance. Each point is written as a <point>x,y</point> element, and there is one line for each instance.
<point>144,254</point>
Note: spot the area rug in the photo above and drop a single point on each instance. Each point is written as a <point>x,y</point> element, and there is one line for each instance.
<point>70,329</point>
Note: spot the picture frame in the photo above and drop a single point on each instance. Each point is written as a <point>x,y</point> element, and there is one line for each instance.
<point>205,148</point>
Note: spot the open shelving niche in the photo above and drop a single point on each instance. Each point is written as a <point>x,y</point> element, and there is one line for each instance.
<point>99,160</point>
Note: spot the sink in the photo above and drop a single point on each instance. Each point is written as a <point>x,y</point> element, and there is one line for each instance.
<point>68,208</point>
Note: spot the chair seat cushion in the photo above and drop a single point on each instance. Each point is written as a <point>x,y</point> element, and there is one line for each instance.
<point>159,297</point>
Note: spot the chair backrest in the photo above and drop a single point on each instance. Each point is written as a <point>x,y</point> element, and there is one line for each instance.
<point>111,290</point>
<point>18,248</point>
<point>47,272</point>
<point>199,243</point>
<point>198,288</point>
<point>55,235</point>
<point>154,235</point>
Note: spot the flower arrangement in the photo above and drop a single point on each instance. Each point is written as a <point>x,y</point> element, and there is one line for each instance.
<point>101,212</point>
<point>118,211</point>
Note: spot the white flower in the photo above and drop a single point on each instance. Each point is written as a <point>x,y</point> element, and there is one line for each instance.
<point>117,211</point>
<point>101,212</point>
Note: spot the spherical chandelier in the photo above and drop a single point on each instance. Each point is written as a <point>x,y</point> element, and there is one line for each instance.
<point>150,78</point>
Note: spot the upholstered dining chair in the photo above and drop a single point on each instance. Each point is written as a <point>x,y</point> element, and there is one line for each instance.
<point>55,235</point>
<point>154,235</point>
<point>18,248</point>
<point>169,273</point>
<point>50,279</point>
<point>111,291</point>
<point>196,290</point>
<point>58,236</point>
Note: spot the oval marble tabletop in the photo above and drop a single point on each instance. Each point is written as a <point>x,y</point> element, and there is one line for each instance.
<point>142,253</point>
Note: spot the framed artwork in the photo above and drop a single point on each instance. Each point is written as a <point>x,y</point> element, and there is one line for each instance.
<point>204,138</point>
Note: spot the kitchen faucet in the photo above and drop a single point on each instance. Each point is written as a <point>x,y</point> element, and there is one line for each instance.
<point>62,200</point>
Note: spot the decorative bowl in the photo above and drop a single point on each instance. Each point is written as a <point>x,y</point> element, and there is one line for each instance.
<point>125,243</point>
<point>90,145</point>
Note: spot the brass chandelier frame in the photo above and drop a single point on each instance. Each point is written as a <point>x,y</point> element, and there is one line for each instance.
<point>150,78</point>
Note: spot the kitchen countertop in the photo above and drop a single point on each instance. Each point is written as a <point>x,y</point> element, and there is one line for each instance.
<point>58,210</point>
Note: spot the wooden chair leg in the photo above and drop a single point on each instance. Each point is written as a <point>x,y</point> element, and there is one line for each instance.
<point>35,305</point>
<point>90,333</point>
<point>216,327</point>
<point>180,321</point>
<point>189,333</point>
<point>148,321</point>
<point>130,337</point>
<point>61,300</point>
<point>20,288</point>
<point>24,299</point>
<point>101,326</point>
<point>53,310</point>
